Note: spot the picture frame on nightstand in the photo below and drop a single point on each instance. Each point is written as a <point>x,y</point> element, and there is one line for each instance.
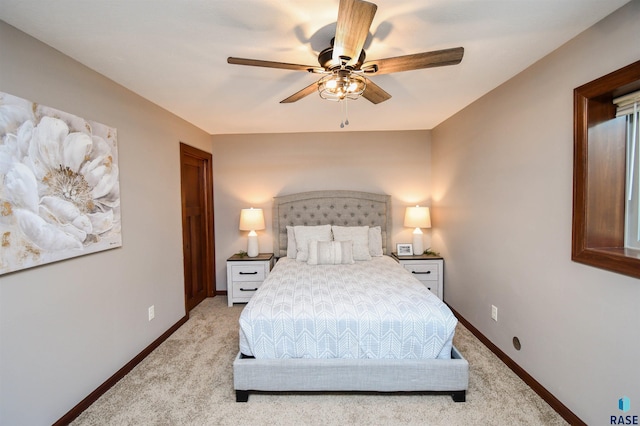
<point>404,249</point>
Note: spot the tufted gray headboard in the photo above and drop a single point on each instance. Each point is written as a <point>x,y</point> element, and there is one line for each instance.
<point>344,208</point>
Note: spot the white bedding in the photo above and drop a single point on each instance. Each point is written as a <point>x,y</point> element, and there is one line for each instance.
<point>370,309</point>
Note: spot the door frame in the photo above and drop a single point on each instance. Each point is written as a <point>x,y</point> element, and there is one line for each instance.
<point>209,267</point>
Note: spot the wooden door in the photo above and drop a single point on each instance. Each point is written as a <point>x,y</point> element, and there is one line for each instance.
<point>197,225</point>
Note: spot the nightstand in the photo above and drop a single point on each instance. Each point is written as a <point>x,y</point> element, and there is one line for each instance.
<point>428,269</point>
<point>245,275</point>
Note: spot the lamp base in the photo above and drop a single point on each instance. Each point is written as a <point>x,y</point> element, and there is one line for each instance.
<point>418,246</point>
<point>252,244</point>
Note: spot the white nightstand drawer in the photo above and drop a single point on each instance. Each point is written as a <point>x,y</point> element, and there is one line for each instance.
<point>247,273</point>
<point>423,272</point>
<point>432,286</point>
<point>245,289</point>
<point>429,270</point>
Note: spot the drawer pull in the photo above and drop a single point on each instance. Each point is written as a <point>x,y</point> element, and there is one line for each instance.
<point>249,273</point>
<point>248,289</point>
<point>418,272</point>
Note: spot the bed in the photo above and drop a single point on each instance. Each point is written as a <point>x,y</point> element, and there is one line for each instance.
<point>425,361</point>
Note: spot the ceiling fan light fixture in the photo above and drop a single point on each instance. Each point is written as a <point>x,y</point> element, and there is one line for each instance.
<point>341,84</point>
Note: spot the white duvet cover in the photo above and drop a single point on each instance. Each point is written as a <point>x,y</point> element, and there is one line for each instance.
<point>370,309</point>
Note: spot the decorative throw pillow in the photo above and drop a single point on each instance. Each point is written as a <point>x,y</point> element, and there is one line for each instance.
<point>360,237</point>
<point>304,234</point>
<point>291,243</point>
<point>375,241</point>
<point>330,252</point>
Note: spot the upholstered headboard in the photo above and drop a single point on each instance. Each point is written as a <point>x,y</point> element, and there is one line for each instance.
<point>343,208</point>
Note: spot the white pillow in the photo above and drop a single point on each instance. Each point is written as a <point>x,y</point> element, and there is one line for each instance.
<point>375,241</point>
<point>330,252</point>
<point>360,237</point>
<point>291,243</point>
<point>304,234</point>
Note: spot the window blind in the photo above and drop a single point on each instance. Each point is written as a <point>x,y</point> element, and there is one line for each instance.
<point>629,106</point>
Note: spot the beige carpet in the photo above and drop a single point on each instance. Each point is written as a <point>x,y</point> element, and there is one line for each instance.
<point>188,381</point>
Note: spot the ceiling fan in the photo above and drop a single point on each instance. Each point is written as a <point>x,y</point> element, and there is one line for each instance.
<point>343,63</point>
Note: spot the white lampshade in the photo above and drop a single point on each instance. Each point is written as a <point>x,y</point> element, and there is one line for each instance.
<point>417,217</point>
<point>252,220</point>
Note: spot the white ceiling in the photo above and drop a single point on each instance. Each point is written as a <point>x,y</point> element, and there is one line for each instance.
<point>173,52</point>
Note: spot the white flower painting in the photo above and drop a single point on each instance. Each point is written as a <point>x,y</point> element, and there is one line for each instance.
<point>59,186</point>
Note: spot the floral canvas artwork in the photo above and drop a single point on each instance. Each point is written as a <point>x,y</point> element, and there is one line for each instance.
<point>59,185</point>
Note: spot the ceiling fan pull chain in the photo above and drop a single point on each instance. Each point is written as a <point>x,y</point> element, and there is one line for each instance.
<point>346,112</point>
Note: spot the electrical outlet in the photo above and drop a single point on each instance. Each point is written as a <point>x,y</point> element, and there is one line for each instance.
<point>494,313</point>
<point>152,312</point>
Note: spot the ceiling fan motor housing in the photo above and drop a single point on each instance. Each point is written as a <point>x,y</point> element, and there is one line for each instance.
<point>325,59</point>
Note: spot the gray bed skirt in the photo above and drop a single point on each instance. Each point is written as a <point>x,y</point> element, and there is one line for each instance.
<point>377,375</point>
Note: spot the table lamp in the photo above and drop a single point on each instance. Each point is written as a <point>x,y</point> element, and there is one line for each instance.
<point>417,217</point>
<point>252,220</point>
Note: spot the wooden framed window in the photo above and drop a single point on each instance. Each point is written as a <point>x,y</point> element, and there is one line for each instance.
<point>599,174</point>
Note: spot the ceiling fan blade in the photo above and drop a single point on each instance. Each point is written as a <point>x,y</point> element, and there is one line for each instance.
<point>375,93</point>
<point>436,58</point>
<point>354,20</point>
<point>313,87</point>
<point>272,64</point>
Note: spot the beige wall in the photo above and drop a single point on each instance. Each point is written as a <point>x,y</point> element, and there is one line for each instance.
<point>500,180</point>
<point>249,170</point>
<point>67,327</point>
<point>502,195</point>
